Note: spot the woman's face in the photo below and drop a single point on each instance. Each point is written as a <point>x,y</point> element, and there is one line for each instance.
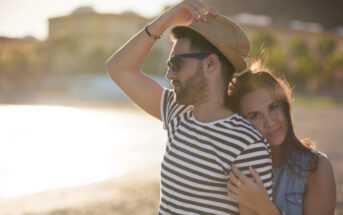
<point>266,113</point>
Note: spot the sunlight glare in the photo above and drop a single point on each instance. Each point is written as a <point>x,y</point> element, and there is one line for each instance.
<point>45,147</point>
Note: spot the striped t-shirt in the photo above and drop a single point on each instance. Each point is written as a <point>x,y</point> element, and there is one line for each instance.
<point>196,164</point>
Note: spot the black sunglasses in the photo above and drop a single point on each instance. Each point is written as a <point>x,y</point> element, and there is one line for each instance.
<point>174,62</point>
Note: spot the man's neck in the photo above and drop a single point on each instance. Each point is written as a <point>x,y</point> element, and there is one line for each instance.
<point>209,112</point>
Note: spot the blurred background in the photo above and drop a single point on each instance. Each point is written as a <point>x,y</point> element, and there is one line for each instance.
<point>72,143</point>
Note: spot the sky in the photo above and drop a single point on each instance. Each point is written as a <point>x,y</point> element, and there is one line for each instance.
<point>19,18</point>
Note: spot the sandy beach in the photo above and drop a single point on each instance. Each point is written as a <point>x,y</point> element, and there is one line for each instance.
<point>134,193</point>
<point>138,192</point>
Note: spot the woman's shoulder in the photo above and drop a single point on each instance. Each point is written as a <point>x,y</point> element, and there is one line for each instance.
<point>323,172</point>
<point>320,196</point>
<point>324,164</point>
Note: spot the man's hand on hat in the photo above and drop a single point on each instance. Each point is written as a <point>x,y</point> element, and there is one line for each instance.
<point>188,11</point>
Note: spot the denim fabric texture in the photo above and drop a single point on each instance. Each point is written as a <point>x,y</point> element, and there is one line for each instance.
<point>289,184</point>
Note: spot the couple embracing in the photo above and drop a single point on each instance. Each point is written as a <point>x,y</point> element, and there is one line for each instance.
<point>231,146</point>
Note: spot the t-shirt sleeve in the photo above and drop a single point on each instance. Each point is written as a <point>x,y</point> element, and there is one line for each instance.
<point>169,108</point>
<point>258,156</point>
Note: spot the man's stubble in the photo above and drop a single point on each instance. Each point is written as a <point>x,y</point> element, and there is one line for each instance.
<point>195,89</point>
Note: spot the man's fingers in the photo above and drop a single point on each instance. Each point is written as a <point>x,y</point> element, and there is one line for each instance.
<point>199,9</point>
<point>210,9</point>
<point>191,9</point>
<point>256,176</point>
<point>201,14</point>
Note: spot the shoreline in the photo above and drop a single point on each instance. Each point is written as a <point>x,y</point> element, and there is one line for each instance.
<point>131,193</point>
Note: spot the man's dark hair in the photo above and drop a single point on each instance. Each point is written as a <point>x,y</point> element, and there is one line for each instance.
<point>199,43</point>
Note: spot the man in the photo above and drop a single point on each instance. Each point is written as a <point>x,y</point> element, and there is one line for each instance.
<point>204,137</point>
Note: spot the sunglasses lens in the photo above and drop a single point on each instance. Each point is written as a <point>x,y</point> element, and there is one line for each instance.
<point>173,64</point>
<point>169,64</point>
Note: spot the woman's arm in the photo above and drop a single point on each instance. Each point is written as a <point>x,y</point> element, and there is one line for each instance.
<point>251,196</point>
<point>320,195</point>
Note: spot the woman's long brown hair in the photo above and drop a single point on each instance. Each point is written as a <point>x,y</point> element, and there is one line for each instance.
<point>263,79</point>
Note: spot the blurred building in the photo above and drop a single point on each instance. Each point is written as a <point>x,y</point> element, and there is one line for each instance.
<point>20,64</point>
<point>92,30</point>
<point>82,41</point>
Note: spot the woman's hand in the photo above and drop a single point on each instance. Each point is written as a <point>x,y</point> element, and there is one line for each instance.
<point>252,195</point>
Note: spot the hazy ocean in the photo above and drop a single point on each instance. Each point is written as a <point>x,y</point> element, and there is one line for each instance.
<point>47,147</point>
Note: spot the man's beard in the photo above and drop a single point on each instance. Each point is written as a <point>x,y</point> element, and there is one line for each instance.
<point>194,90</point>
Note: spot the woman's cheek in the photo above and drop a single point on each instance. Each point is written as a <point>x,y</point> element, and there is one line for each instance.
<point>259,127</point>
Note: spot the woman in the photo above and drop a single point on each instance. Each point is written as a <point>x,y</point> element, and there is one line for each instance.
<point>303,180</point>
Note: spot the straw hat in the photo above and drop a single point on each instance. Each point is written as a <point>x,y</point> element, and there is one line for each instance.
<point>227,37</point>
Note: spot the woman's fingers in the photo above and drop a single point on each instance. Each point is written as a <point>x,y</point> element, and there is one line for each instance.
<point>239,175</point>
<point>256,177</point>
<point>232,191</point>
<point>245,191</point>
<point>234,180</point>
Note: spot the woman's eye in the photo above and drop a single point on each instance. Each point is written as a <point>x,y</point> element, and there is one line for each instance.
<point>253,116</point>
<point>274,106</point>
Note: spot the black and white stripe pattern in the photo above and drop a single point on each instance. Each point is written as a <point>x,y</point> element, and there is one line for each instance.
<point>196,164</point>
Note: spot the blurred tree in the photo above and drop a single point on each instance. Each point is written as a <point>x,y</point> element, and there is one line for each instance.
<point>331,64</point>
<point>304,65</point>
<point>298,47</point>
<point>328,60</point>
<point>260,41</point>
<point>326,46</point>
<point>265,48</point>
<point>278,61</point>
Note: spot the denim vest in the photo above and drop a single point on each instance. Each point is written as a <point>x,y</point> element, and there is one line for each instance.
<point>288,187</point>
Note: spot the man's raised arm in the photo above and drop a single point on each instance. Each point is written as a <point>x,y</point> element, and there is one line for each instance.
<point>124,66</point>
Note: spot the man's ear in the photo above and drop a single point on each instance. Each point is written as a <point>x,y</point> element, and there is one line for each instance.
<point>212,62</point>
